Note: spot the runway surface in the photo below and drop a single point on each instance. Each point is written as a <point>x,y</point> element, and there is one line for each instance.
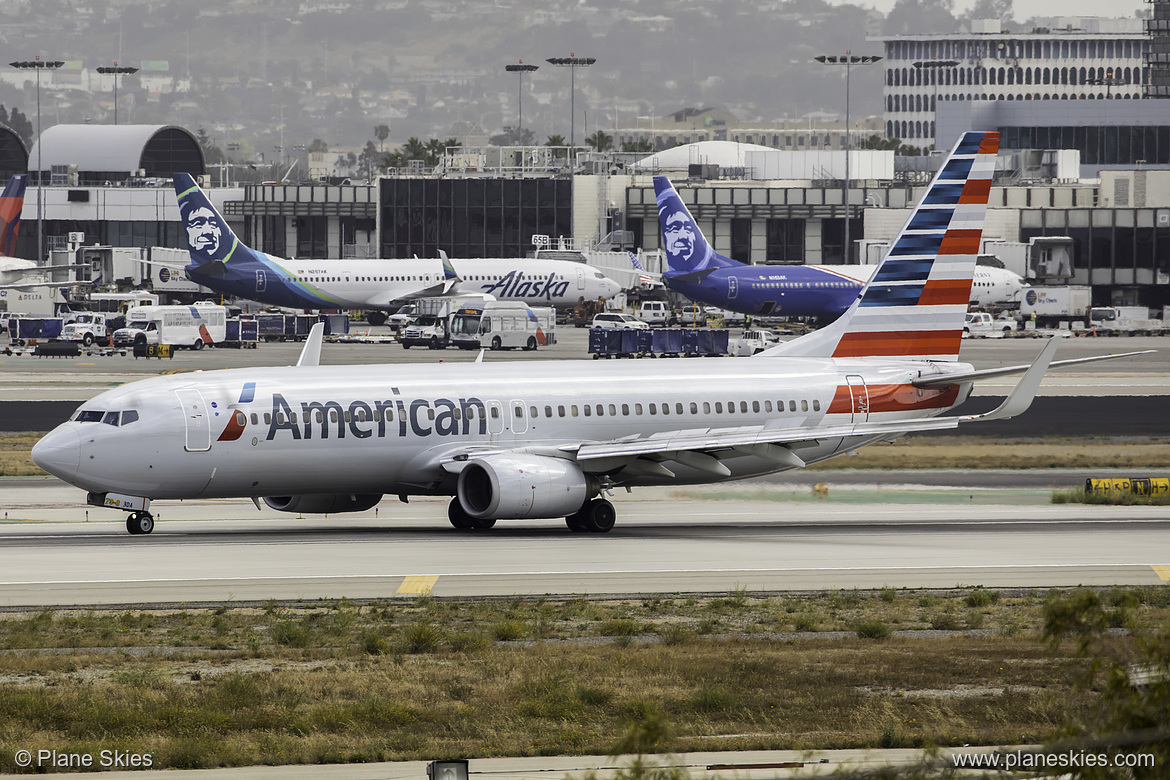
<point>214,551</point>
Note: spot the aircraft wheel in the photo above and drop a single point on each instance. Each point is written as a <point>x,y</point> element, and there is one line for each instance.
<point>459,518</point>
<point>496,343</point>
<point>576,522</point>
<point>139,523</point>
<point>600,516</point>
<point>484,523</point>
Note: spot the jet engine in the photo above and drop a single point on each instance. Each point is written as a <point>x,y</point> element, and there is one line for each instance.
<point>320,504</point>
<point>513,486</point>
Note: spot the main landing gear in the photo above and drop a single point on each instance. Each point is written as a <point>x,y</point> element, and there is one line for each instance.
<point>597,516</point>
<point>139,523</point>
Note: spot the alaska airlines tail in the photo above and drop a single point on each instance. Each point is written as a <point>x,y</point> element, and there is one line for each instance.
<point>209,239</point>
<point>914,305</point>
<point>688,255</point>
<point>11,204</point>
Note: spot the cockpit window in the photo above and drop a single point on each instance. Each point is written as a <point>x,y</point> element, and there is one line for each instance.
<point>129,416</point>
<point>111,418</point>
<point>89,415</point>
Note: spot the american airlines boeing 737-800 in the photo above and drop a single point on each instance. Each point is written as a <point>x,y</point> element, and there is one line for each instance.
<point>546,440</point>
<point>221,262</point>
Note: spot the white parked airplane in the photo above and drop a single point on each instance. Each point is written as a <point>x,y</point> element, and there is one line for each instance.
<point>545,440</point>
<point>221,262</point>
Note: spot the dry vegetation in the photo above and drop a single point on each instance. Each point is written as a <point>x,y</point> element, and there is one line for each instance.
<point>15,458</point>
<point>342,682</point>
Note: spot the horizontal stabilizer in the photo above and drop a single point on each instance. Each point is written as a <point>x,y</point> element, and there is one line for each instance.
<point>941,380</point>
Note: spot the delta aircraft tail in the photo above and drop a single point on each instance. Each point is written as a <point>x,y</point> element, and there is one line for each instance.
<point>11,204</point>
<point>914,305</point>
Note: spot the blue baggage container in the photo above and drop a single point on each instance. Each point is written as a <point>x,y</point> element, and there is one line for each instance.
<point>629,342</point>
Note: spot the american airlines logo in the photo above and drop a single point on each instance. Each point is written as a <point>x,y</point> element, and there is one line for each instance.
<point>514,285</point>
<point>363,419</point>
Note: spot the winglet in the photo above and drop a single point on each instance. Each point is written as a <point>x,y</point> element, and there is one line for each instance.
<point>1025,390</point>
<point>311,354</point>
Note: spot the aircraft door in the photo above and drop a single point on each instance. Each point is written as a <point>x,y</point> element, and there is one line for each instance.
<point>732,287</point>
<point>195,419</point>
<point>495,418</point>
<point>859,395</point>
<point>261,281</point>
<point>519,417</point>
<point>580,278</point>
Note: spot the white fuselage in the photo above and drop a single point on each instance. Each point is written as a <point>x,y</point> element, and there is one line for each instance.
<point>387,429</point>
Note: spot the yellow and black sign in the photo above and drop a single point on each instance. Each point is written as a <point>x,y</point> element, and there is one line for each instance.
<point>153,350</point>
<point>1137,486</point>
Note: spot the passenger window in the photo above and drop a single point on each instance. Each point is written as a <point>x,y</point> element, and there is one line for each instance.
<point>495,413</point>
<point>320,416</point>
<point>560,411</point>
<point>792,406</point>
<point>268,418</point>
<point>718,407</point>
<point>626,409</point>
<point>804,406</point>
<point>637,408</point>
<point>548,411</point>
<point>694,408</point>
<point>519,410</point>
<point>533,412</point>
<point>600,410</point>
<point>612,410</point>
<point>254,420</point>
<point>573,410</point>
<point>377,416</point>
<point>755,406</point>
<point>348,416</point>
<point>111,418</point>
<point>743,406</point>
<point>706,407</point>
<point>678,408</point>
<point>130,416</point>
<point>767,406</point>
<point>588,410</point>
<point>816,406</point>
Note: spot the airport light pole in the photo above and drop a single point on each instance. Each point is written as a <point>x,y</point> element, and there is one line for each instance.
<point>848,59</point>
<point>116,69</point>
<point>572,62</point>
<point>520,69</point>
<point>38,65</point>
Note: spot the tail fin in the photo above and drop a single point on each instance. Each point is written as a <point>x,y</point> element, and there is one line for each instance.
<point>914,305</point>
<point>687,252</point>
<point>11,204</point>
<point>209,239</point>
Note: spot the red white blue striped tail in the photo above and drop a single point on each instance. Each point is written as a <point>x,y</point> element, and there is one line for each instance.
<point>914,305</point>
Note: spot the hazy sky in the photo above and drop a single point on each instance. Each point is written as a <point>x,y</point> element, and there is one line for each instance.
<point>1025,9</point>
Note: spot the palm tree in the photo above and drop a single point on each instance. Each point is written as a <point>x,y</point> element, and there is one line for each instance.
<point>414,149</point>
<point>600,141</point>
<point>381,132</point>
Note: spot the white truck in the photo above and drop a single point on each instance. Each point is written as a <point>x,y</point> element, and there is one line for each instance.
<point>181,326</point>
<point>86,327</point>
<point>1124,321</point>
<point>1057,306</point>
<point>980,324</point>
<point>655,313</point>
<point>503,325</point>
<point>751,343</point>
<point>430,326</point>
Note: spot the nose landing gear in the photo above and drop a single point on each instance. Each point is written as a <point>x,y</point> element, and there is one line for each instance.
<point>139,523</point>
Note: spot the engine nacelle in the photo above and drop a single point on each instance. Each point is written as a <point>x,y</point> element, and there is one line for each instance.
<point>324,504</point>
<point>515,486</point>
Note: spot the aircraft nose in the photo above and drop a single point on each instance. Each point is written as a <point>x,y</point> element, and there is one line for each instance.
<point>58,452</point>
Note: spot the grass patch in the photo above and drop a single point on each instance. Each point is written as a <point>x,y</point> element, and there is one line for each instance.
<point>288,684</point>
<point>16,455</point>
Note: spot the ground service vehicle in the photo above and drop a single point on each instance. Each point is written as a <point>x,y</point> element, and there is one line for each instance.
<point>503,325</point>
<point>1055,307</point>
<point>181,326</point>
<point>752,342</point>
<point>655,313</point>
<point>1124,321</point>
<point>86,327</point>
<point>979,324</point>
<point>430,326</point>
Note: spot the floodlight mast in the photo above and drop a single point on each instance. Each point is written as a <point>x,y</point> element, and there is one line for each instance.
<point>520,69</point>
<point>848,59</point>
<point>116,69</point>
<point>38,65</point>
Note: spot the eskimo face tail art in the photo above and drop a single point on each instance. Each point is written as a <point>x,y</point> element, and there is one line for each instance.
<point>209,239</point>
<point>11,204</point>
<point>687,250</point>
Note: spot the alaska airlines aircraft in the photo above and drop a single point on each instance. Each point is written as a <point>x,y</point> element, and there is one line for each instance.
<point>697,271</point>
<point>546,440</point>
<point>221,262</point>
